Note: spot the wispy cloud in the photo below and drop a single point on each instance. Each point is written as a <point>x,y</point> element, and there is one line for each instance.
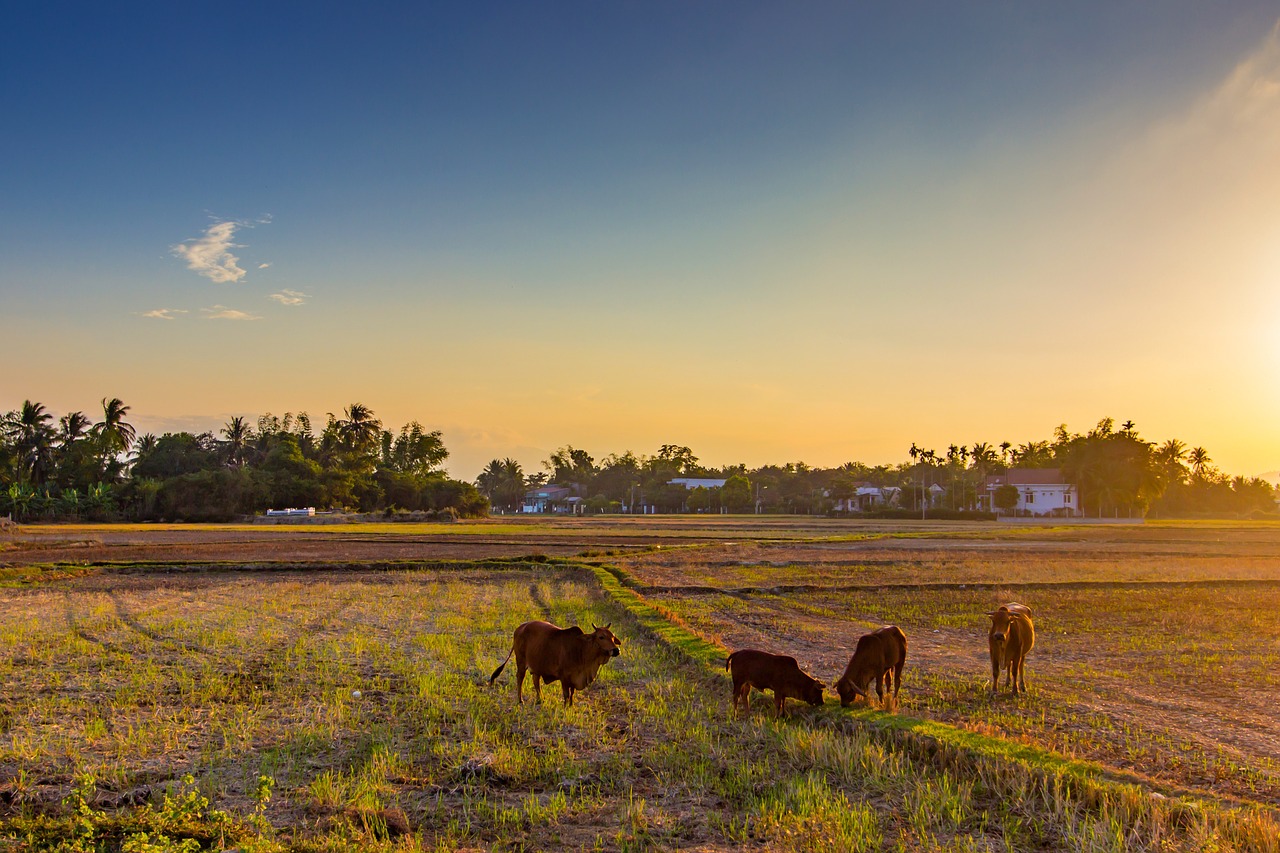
<point>163,313</point>
<point>290,297</point>
<point>222,312</point>
<point>264,266</point>
<point>211,255</point>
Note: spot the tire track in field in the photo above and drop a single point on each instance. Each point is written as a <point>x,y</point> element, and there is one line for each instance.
<point>74,624</point>
<point>128,618</point>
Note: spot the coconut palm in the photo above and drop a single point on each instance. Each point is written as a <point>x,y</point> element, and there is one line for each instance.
<point>115,434</point>
<point>359,431</point>
<point>71,428</point>
<point>30,431</point>
<point>502,482</point>
<point>237,433</point>
<point>1199,459</point>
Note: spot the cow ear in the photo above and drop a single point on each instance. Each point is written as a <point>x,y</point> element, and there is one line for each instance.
<point>991,613</point>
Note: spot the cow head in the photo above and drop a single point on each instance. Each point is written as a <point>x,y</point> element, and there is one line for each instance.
<point>812,692</point>
<point>1000,621</point>
<point>853,686</point>
<point>605,640</point>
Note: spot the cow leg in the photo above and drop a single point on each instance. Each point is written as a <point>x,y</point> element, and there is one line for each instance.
<point>897,680</point>
<point>568,693</point>
<point>742,692</point>
<point>995,673</point>
<point>779,702</point>
<point>520,671</point>
<point>537,688</point>
<point>1022,674</point>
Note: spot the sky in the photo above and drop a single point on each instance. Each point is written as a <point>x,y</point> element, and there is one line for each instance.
<point>770,232</point>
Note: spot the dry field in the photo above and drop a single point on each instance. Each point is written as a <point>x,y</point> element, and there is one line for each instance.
<point>145,705</point>
<point>1157,652</point>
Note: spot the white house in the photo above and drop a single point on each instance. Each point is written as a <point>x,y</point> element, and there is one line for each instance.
<point>696,482</point>
<point>548,498</point>
<point>866,498</point>
<point>1041,491</point>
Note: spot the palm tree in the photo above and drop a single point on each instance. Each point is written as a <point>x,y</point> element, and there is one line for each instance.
<point>237,433</point>
<point>72,428</point>
<point>359,431</point>
<point>1199,459</point>
<point>1170,456</point>
<point>33,437</point>
<point>114,436</point>
<point>502,482</point>
<point>113,431</point>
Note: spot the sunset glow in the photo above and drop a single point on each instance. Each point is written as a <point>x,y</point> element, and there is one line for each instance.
<point>767,235</point>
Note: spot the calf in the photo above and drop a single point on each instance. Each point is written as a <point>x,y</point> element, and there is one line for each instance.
<point>567,655</point>
<point>878,654</point>
<point>1011,636</point>
<point>765,671</point>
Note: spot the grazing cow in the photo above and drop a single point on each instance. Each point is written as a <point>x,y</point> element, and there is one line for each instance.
<point>1011,636</point>
<point>765,671</point>
<point>878,654</point>
<point>567,655</point>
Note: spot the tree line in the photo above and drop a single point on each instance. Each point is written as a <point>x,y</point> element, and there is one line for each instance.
<point>78,467</point>
<point>1116,472</point>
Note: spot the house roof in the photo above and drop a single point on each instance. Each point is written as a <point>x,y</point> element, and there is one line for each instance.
<point>695,482</point>
<point>1028,477</point>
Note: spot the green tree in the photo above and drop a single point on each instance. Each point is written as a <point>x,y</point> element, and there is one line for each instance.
<point>1005,498</point>
<point>735,494</point>
<point>502,482</point>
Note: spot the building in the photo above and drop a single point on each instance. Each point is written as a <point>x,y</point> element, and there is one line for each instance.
<point>867,498</point>
<point>1041,491</point>
<point>549,498</point>
<point>698,482</point>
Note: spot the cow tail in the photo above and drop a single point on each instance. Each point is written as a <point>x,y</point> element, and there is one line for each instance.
<point>726,661</point>
<point>503,666</point>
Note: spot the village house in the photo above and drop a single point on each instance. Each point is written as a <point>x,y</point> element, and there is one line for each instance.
<point>1041,491</point>
<point>867,498</point>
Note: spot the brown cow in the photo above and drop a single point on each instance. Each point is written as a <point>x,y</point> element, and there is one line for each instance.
<point>765,671</point>
<point>1011,636</point>
<point>567,655</point>
<point>879,653</point>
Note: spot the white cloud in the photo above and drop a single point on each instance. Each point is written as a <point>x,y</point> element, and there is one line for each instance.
<point>264,266</point>
<point>211,256</point>
<point>222,312</point>
<point>289,297</point>
<point>163,313</point>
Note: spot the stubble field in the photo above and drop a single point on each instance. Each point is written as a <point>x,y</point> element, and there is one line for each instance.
<point>197,683</point>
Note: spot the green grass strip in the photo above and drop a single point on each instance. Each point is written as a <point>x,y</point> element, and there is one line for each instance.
<point>923,739</point>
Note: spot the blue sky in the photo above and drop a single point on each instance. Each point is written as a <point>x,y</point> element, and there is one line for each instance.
<point>767,233</point>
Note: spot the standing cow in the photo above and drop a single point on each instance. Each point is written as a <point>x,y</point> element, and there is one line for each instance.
<point>1011,636</point>
<point>765,671</point>
<point>878,654</point>
<point>567,655</point>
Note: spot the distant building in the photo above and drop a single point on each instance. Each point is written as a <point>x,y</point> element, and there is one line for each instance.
<point>698,482</point>
<point>1041,491</point>
<point>867,498</point>
<point>549,498</point>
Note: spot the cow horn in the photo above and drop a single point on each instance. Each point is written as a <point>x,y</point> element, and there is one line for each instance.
<point>595,627</point>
